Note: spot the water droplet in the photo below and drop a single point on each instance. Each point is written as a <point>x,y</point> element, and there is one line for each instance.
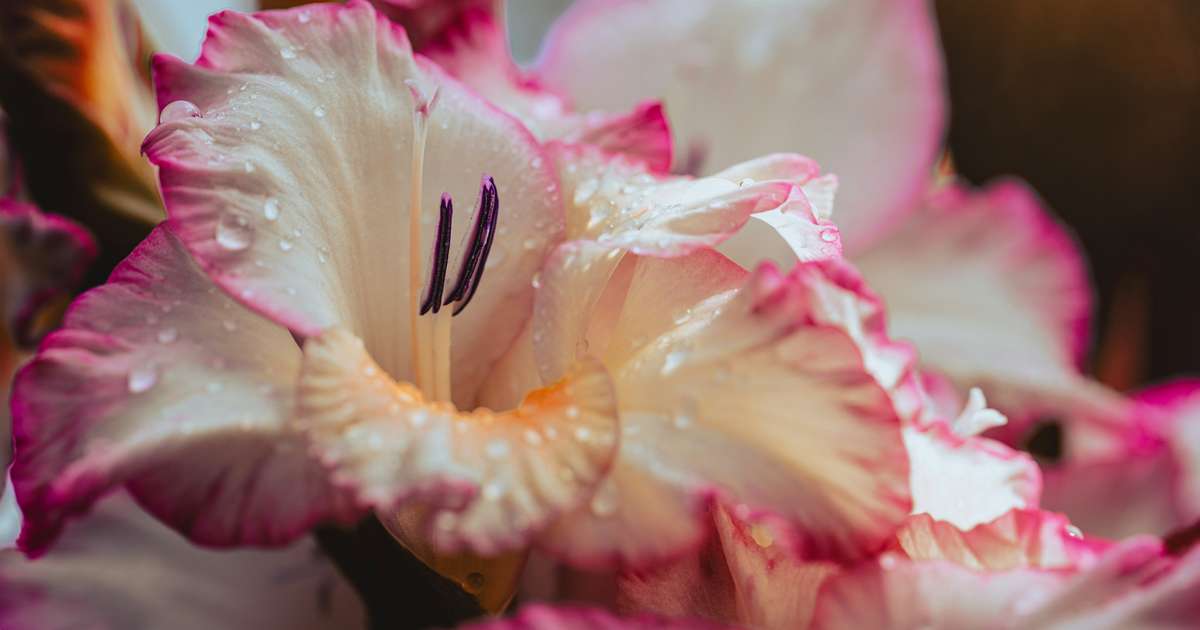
<point>828,235</point>
<point>674,359</point>
<point>255,125</point>
<point>1074,531</point>
<point>178,110</point>
<point>603,503</point>
<point>493,491</point>
<point>168,335</point>
<point>319,111</point>
<point>585,190</point>
<point>248,166</point>
<point>572,412</point>
<point>418,417</point>
<point>537,281</point>
<point>141,379</point>
<point>583,434</point>
<point>271,209</point>
<point>303,17</point>
<point>287,52</point>
<point>285,245</point>
<point>683,316</point>
<point>533,438</point>
<point>530,244</point>
<point>535,162</point>
<point>497,449</point>
<point>762,535</point>
<point>233,232</point>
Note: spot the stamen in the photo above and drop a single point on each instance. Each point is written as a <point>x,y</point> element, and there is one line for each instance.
<point>470,270</point>
<point>441,257</point>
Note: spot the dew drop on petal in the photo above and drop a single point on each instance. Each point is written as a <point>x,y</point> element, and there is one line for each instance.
<point>255,125</point>
<point>285,245</point>
<point>319,111</point>
<point>492,491</point>
<point>828,236</point>
<point>168,335</point>
<point>604,502</point>
<point>303,17</point>
<point>537,281</point>
<point>271,209</point>
<point>497,448</point>
<point>141,379</point>
<point>178,110</point>
<point>233,232</point>
<point>287,52</point>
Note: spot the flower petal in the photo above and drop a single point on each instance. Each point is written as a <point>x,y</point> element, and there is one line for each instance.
<point>470,44</point>
<point>967,481</point>
<point>78,105</point>
<point>1151,471</point>
<point>160,382</point>
<point>121,570</point>
<point>291,185</point>
<point>737,395</point>
<point>857,86</point>
<point>1133,585</point>
<point>42,258</point>
<point>493,478</point>
<point>1019,539</point>
<point>615,201</point>
<point>542,617</point>
<point>1010,308</point>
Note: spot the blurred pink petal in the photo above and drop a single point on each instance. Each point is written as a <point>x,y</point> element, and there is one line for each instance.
<point>857,86</point>
<point>122,570</point>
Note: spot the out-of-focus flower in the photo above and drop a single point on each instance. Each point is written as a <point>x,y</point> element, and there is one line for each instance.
<point>121,569</point>
<point>540,617</point>
<point>1151,469</point>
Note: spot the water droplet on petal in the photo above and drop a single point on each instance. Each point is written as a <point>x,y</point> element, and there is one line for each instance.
<point>319,111</point>
<point>141,379</point>
<point>497,448</point>
<point>492,491</point>
<point>303,17</point>
<point>537,281</point>
<point>233,232</point>
<point>271,209</point>
<point>167,335</point>
<point>604,502</point>
<point>178,110</point>
<point>255,125</point>
<point>828,235</point>
<point>287,52</point>
<point>285,245</point>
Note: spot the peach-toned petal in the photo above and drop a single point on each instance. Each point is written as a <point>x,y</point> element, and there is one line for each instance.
<point>494,478</point>
<point>119,569</point>
<point>993,292</point>
<point>290,178</point>
<point>738,396</point>
<point>855,85</point>
<point>160,382</point>
<point>1019,539</point>
<point>968,481</point>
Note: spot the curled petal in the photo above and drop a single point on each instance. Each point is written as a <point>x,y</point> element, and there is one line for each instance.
<point>493,478</point>
<point>288,170</point>
<point>615,201</point>
<point>731,392</point>
<point>159,382</point>
<point>120,569</point>
<point>1010,308</point>
<point>968,481</point>
<point>857,86</point>
<point>1019,539</point>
